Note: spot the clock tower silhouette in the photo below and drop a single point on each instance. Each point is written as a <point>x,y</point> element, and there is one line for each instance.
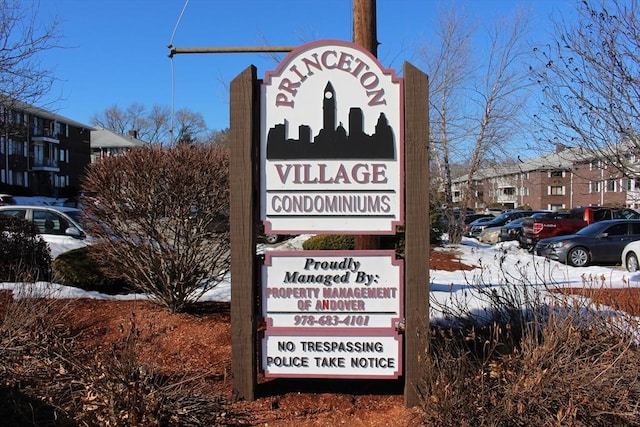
<point>329,108</point>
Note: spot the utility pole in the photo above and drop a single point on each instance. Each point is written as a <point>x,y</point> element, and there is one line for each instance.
<point>364,25</point>
<point>365,35</point>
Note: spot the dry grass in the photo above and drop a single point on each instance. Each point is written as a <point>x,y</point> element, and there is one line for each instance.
<point>49,378</point>
<point>569,365</point>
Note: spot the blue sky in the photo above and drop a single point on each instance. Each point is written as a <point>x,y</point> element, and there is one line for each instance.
<point>116,50</point>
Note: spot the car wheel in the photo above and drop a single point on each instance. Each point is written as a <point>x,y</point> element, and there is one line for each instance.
<point>632,262</point>
<point>272,238</point>
<point>578,257</point>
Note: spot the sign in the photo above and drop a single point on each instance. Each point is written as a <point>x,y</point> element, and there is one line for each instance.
<point>332,314</point>
<point>332,289</point>
<point>356,356</point>
<point>331,142</point>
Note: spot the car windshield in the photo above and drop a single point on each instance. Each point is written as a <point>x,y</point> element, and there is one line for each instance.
<point>482,220</point>
<point>503,217</point>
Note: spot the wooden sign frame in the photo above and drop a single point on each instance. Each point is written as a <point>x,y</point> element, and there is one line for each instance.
<point>244,141</point>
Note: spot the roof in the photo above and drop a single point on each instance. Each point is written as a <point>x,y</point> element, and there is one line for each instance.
<point>564,159</point>
<point>106,138</point>
<point>40,112</point>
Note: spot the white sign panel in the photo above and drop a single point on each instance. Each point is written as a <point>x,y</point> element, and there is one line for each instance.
<point>331,143</point>
<point>332,357</point>
<point>332,289</point>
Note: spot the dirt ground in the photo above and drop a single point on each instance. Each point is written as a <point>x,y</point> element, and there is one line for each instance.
<point>199,343</point>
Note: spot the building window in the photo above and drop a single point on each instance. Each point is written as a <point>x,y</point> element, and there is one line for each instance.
<point>595,164</point>
<point>61,181</point>
<point>456,194</point>
<point>38,155</point>
<point>16,178</point>
<point>16,147</point>
<point>595,186</point>
<point>510,191</point>
<point>611,185</point>
<point>479,194</point>
<point>556,174</point>
<point>37,126</point>
<point>555,190</point>
<point>555,206</point>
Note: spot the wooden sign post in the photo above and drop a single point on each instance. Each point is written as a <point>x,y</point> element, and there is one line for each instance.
<point>356,166</point>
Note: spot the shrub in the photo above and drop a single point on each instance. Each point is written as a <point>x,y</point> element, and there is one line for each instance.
<point>329,242</point>
<point>347,242</point>
<point>528,360</point>
<point>437,226</point>
<point>24,256</point>
<point>163,217</point>
<point>78,269</point>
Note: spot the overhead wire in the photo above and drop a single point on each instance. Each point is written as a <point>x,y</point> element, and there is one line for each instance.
<point>173,35</point>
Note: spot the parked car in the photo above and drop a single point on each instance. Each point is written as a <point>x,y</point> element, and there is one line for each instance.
<point>514,229</point>
<point>600,242</point>
<point>499,221</point>
<point>490,235</point>
<point>469,226</point>
<point>468,219</point>
<point>270,239</point>
<point>630,256</point>
<point>6,199</point>
<point>565,223</point>
<point>59,226</point>
<point>511,230</point>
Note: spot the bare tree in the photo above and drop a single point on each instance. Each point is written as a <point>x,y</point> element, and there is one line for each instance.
<point>160,219</point>
<point>590,83</point>
<point>23,38</point>
<point>475,102</point>
<point>155,125</point>
<point>189,127</point>
<point>113,118</point>
<point>159,124</point>
<point>218,137</point>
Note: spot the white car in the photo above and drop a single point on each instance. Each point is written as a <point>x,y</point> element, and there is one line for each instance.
<point>631,255</point>
<point>490,235</point>
<point>58,226</point>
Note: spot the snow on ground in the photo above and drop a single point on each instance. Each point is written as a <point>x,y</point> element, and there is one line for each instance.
<point>499,267</point>
<point>507,270</point>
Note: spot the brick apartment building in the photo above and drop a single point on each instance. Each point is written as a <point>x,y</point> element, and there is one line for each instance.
<point>41,153</point>
<point>561,180</point>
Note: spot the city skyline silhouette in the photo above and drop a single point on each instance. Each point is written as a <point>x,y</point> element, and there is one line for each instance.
<point>333,141</point>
